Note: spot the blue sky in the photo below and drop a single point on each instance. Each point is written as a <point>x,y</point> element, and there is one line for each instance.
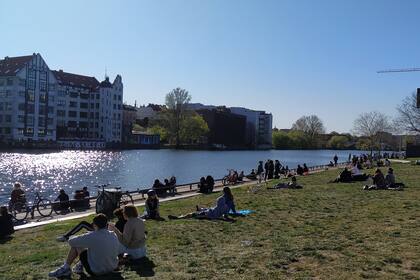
<point>290,58</point>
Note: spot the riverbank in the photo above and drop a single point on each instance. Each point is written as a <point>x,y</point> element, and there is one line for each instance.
<point>321,231</point>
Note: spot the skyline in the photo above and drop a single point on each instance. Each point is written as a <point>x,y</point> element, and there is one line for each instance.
<point>289,59</point>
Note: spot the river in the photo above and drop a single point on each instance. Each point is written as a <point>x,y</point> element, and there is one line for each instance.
<point>47,172</point>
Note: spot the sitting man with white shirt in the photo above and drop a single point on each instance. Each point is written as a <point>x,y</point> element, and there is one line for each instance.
<point>97,251</point>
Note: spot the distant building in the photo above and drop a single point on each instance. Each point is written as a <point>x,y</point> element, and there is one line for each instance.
<point>259,127</point>
<point>129,118</point>
<point>225,129</point>
<point>145,140</point>
<point>38,105</point>
<point>149,112</point>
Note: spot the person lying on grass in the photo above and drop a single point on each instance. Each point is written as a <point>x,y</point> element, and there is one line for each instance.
<point>224,204</point>
<point>97,251</point>
<point>89,226</point>
<point>133,238</point>
<point>289,185</point>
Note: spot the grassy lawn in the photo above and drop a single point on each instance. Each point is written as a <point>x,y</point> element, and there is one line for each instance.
<point>325,231</point>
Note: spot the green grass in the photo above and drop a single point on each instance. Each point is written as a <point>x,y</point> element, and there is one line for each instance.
<point>324,231</point>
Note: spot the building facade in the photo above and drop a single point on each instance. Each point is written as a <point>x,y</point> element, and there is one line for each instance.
<point>27,100</point>
<point>39,105</point>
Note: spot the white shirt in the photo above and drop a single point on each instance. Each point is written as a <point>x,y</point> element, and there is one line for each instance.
<point>103,249</point>
<point>355,170</point>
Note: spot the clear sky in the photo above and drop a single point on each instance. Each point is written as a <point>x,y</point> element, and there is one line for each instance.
<point>290,58</point>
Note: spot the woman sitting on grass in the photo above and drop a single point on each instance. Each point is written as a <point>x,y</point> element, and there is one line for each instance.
<point>223,205</point>
<point>152,206</point>
<point>378,181</point>
<point>133,239</point>
<point>290,185</point>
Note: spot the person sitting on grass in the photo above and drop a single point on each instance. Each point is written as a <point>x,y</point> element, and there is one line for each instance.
<point>378,181</point>
<point>152,206</point>
<point>241,176</point>
<point>290,185</point>
<point>305,170</point>
<point>223,205</point>
<point>159,188</point>
<point>202,186</point>
<point>121,221</point>
<point>343,177</point>
<point>390,181</point>
<point>210,183</point>
<point>97,251</point>
<point>133,239</point>
<point>6,223</point>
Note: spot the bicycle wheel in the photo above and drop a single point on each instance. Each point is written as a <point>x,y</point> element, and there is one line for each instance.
<point>44,207</point>
<point>126,199</point>
<point>103,204</point>
<point>19,211</point>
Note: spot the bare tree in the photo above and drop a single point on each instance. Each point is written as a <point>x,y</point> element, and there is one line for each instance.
<point>372,125</point>
<point>176,101</point>
<point>408,118</point>
<point>311,125</point>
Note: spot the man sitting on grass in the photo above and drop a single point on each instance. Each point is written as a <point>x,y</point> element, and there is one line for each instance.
<point>97,251</point>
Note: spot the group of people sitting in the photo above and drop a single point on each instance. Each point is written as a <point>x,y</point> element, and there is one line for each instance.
<point>351,175</point>
<point>292,184</point>
<point>381,182</point>
<point>126,238</point>
<point>206,185</point>
<point>169,186</point>
<point>302,171</point>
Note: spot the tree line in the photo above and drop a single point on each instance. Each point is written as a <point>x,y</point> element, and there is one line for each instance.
<point>308,132</point>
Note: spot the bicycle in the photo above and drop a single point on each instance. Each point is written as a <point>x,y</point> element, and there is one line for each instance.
<point>21,209</point>
<point>110,199</point>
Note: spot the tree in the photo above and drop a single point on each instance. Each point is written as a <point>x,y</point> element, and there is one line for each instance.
<point>161,131</point>
<point>372,125</point>
<point>338,142</point>
<point>193,127</point>
<point>312,126</point>
<point>176,102</point>
<point>281,140</point>
<point>408,118</point>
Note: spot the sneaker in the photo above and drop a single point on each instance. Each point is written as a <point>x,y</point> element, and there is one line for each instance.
<point>78,268</point>
<point>62,238</point>
<point>62,271</point>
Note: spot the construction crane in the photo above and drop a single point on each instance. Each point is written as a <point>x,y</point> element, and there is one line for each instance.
<point>402,71</point>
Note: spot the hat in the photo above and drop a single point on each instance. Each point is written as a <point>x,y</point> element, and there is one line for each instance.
<point>151,192</point>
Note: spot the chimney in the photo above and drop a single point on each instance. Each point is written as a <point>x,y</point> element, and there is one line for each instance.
<point>6,58</point>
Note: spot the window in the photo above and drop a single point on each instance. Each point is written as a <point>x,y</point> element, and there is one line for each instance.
<point>7,106</point>
<point>43,85</point>
<point>50,121</point>
<point>119,97</point>
<point>30,96</point>
<point>42,97</point>
<point>9,81</point>
<point>97,105</point>
<point>92,115</point>
<point>30,120</point>
<point>41,121</point>
<point>83,115</point>
<point>74,94</point>
<point>72,114</point>
<point>61,103</point>
<point>21,119</point>
<point>73,104</point>
<point>50,110</point>
<point>41,132</point>
<point>1,82</point>
<point>92,106</point>
<point>84,105</point>
<point>31,84</point>
<point>30,108</point>
<point>97,96</point>
<point>8,118</point>
<point>61,113</point>
<point>84,96</point>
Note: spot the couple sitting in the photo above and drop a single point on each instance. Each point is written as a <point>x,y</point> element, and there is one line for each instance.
<point>290,185</point>
<point>206,185</point>
<point>224,204</point>
<point>99,249</point>
<point>384,183</point>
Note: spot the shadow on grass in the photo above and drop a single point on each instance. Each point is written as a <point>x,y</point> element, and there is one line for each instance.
<point>143,267</point>
<point>110,276</point>
<point>5,239</point>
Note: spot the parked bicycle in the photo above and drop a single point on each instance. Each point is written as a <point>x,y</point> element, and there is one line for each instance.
<point>21,209</point>
<point>110,199</point>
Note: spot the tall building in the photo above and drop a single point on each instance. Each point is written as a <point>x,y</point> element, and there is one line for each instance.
<point>27,100</point>
<point>38,105</point>
<point>259,127</point>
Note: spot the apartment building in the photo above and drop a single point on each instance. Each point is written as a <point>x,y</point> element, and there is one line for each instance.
<point>37,104</point>
<point>27,100</point>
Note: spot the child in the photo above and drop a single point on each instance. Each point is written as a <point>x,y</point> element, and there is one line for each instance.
<point>152,206</point>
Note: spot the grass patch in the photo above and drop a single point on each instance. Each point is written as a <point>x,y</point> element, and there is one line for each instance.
<point>322,231</point>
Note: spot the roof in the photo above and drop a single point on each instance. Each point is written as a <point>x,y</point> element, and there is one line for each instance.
<point>75,80</point>
<point>156,107</point>
<point>10,66</point>
<point>129,108</point>
<point>105,83</point>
